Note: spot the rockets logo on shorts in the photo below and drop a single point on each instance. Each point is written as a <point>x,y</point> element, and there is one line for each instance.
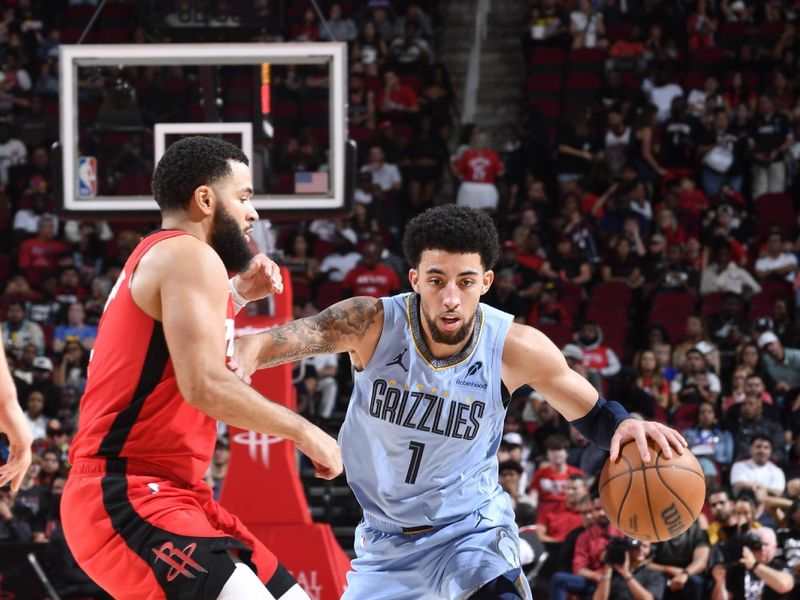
<point>180,561</point>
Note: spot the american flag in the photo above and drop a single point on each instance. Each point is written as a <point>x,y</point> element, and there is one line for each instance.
<point>311,183</point>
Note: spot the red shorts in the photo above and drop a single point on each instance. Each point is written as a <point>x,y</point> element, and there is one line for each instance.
<point>144,537</point>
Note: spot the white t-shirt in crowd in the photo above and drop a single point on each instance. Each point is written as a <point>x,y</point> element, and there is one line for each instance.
<point>385,177</point>
<point>768,475</point>
<point>767,263</point>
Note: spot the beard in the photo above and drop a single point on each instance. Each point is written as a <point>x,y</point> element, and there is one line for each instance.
<point>450,338</point>
<point>228,241</point>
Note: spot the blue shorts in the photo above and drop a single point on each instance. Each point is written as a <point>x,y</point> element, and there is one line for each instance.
<point>452,561</point>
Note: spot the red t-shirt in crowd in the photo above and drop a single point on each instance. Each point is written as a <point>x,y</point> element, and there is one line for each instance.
<point>400,98</point>
<point>550,484</point>
<point>37,257</point>
<point>559,522</point>
<point>479,166</point>
<point>376,282</point>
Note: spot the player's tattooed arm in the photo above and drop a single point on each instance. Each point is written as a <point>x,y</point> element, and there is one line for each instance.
<point>352,325</point>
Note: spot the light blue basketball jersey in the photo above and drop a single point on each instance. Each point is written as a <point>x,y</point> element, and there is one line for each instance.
<point>421,435</point>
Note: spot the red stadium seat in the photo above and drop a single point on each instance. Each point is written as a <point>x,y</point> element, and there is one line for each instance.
<point>619,31</point>
<point>284,184</point>
<point>611,294</point>
<point>329,293</point>
<point>707,59</point>
<point>559,334</point>
<point>674,326</point>
<point>587,59</point>
<point>769,32</point>
<point>133,185</point>
<point>775,210</point>
<point>684,416</point>
<point>710,304</point>
<point>583,81</point>
<point>571,297</point>
<point>285,109</point>
<point>694,80</point>
<point>362,135</point>
<point>776,289</point>
<point>608,316</point>
<point>544,84</point>
<point>549,109</point>
<point>732,35</point>
<point>679,301</point>
<point>301,291</point>
<point>547,59</point>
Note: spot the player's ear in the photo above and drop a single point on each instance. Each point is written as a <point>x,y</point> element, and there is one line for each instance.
<point>413,278</point>
<point>488,279</point>
<point>203,200</point>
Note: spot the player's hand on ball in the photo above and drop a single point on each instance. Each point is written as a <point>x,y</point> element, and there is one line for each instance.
<point>638,431</point>
<point>262,278</point>
<point>323,451</point>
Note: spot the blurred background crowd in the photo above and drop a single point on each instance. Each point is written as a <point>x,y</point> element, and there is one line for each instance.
<point>647,205</point>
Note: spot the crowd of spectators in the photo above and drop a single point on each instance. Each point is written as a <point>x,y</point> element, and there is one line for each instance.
<point>647,211</point>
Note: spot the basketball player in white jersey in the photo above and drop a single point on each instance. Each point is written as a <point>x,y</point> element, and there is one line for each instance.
<point>433,372</point>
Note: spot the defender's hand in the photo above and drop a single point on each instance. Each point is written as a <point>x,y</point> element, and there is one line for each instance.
<point>262,278</point>
<point>245,357</point>
<point>323,451</point>
<point>639,431</point>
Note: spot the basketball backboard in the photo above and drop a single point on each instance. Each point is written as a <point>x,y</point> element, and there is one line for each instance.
<point>122,105</point>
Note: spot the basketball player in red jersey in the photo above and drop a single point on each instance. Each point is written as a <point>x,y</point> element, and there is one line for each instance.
<point>136,512</point>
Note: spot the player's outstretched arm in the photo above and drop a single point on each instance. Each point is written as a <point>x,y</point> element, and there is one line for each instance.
<point>353,325</point>
<point>12,423</point>
<point>191,304</point>
<point>529,357</point>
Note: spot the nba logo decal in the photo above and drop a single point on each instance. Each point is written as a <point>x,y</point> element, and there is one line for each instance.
<point>87,176</point>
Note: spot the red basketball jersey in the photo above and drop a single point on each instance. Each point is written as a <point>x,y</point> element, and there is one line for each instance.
<point>132,408</point>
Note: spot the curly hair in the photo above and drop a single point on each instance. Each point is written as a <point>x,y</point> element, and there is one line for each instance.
<point>451,228</point>
<point>189,163</point>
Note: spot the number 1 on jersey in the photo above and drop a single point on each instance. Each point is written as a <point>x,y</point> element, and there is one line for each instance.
<point>417,448</point>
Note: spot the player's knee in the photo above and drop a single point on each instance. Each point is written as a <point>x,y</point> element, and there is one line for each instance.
<point>506,587</point>
<point>243,584</point>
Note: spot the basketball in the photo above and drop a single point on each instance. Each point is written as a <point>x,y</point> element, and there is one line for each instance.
<point>655,501</point>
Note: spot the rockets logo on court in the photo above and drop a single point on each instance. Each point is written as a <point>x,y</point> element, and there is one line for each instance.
<point>257,444</point>
<point>180,561</point>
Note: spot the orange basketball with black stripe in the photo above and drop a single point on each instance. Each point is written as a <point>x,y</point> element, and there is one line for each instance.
<point>655,501</point>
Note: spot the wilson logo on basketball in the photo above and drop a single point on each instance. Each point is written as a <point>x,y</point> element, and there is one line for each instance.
<point>672,519</point>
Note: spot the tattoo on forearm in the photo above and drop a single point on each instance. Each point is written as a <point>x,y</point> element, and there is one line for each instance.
<point>325,333</point>
<point>284,357</point>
